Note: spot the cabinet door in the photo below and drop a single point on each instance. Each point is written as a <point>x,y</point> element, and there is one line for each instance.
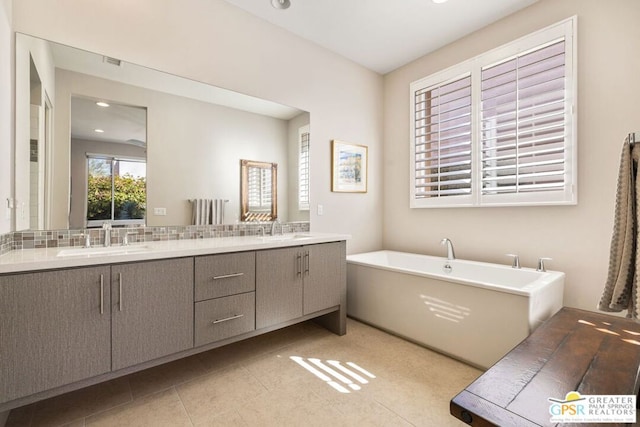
<point>324,276</point>
<point>152,305</point>
<point>55,329</point>
<point>278,286</point>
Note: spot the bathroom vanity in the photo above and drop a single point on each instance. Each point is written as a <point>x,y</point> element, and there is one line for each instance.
<point>69,321</point>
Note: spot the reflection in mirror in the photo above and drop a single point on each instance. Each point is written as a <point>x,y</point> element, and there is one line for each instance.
<point>108,163</point>
<point>259,191</point>
<point>196,135</point>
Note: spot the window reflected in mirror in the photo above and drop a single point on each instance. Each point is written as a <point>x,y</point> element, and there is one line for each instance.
<point>116,190</point>
<point>258,191</point>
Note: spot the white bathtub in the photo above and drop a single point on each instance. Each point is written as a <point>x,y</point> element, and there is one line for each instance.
<point>476,312</point>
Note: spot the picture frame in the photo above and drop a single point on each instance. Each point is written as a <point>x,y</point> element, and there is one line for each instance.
<point>349,167</point>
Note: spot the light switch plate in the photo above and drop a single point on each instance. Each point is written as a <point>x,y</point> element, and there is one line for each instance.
<point>160,211</point>
<point>320,210</point>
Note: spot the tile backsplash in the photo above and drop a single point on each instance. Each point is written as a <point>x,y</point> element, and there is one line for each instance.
<point>20,240</point>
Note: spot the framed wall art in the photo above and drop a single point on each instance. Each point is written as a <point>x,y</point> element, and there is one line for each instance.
<point>348,167</point>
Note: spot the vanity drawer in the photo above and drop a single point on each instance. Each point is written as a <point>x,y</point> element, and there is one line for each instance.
<point>220,318</point>
<point>223,275</point>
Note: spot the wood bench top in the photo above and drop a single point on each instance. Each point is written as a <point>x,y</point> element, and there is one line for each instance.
<point>575,350</point>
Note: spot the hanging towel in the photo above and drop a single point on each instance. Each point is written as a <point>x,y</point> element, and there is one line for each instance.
<point>207,211</point>
<point>219,216</point>
<point>201,211</point>
<point>620,291</point>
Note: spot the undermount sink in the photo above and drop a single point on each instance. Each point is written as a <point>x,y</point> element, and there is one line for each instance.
<point>100,250</point>
<point>282,237</point>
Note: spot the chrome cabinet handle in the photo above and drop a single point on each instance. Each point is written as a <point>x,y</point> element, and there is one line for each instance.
<point>120,290</point>
<point>306,263</point>
<point>102,294</point>
<point>226,276</point>
<point>226,319</point>
<point>299,272</point>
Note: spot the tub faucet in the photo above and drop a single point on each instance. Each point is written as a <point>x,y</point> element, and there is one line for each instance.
<point>451,255</point>
<point>106,226</point>
<point>516,260</point>
<point>541,266</point>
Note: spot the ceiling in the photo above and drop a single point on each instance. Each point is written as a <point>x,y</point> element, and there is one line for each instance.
<point>383,35</point>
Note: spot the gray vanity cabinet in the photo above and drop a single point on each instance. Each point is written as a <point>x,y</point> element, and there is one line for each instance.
<point>293,282</point>
<point>55,329</point>
<point>225,296</point>
<point>152,310</point>
<point>278,286</point>
<point>324,276</point>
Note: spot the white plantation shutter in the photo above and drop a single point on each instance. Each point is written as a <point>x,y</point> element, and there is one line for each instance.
<point>303,169</point>
<point>443,139</point>
<point>523,123</point>
<point>499,129</point>
<point>259,189</point>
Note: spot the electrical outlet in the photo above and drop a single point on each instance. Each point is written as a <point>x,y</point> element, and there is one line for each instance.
<point>320,210</point>
<point>160,211</point>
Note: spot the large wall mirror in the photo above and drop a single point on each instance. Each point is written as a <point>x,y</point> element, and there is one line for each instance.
<point>173,138</point>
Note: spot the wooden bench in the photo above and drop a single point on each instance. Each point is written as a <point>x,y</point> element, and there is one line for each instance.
<point>575,350</point>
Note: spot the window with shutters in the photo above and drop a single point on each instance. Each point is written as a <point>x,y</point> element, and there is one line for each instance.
<point>499,129</point>
<point>303,168</point>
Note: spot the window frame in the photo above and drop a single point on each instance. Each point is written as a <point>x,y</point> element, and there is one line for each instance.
<point>567,30</point>
<point>116,222</point>
<point>302,205</point>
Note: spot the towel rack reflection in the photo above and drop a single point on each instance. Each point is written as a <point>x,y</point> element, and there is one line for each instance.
<point>193,200</point>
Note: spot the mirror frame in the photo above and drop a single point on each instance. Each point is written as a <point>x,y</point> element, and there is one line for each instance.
<point>246,214</point>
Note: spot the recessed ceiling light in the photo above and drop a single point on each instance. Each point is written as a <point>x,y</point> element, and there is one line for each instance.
<point>438,1</point>
<point>280,4</point>
<point>98,130</point>
<point>102,104</point>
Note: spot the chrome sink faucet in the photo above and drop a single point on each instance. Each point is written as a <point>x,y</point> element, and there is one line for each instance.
<point>451,255</point>
<point>106,226</point>
<point>273,226</point>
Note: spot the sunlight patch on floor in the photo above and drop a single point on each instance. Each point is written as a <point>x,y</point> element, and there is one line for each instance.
<point>340,377</point>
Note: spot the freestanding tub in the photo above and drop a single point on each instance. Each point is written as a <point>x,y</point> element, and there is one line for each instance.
<point>472,311</point>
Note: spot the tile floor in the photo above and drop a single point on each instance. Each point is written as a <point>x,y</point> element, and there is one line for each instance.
<point>256,383</point>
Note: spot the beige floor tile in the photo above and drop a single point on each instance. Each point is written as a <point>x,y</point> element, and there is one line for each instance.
<point>215,394</point>
<point>227,419</point>
<point>160,409</point>
<point>161,377</point>
<point>291,404</point>
<point>78,404</point>
<point>256,383</point>
<point>245,351</point>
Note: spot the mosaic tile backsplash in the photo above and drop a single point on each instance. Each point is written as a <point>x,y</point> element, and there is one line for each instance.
<point>20,240</point>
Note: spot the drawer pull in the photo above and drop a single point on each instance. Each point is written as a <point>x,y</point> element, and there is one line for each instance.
<point>226,319</point>
<point>226,276</point>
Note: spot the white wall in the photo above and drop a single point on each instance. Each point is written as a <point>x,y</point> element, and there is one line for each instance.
<point>193,149</point>
<point>576,237</point>
<point>42,58</point>
<point>6,114</point>
<point>214,42</point>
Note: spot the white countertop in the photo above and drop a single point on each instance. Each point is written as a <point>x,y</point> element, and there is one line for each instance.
<point>50,258</point>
